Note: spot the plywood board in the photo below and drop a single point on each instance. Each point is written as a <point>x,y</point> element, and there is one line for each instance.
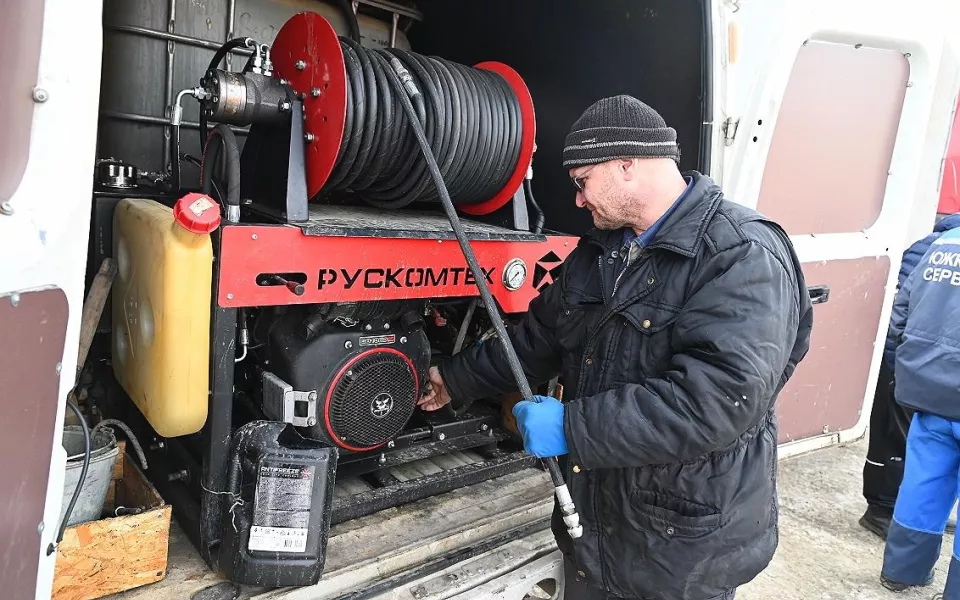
<point>116,554</point>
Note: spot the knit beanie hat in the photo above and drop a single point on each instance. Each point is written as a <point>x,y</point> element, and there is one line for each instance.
<point>619,127</point>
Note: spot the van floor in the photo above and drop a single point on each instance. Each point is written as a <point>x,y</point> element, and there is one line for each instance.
<point>823,553</point>
<point>373,550</point>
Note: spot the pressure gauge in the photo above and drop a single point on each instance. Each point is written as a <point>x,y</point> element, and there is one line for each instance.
<point>514,274</point>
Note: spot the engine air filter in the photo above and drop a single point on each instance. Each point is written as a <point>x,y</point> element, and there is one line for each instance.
<point>370,399</point>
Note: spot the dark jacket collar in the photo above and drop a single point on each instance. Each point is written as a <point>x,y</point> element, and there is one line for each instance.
<point>683,230</point>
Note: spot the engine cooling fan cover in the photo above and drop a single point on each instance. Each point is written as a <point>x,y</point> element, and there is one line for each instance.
<point>370,399</point>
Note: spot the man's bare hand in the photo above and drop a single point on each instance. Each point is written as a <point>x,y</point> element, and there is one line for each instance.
<point>435,395</point>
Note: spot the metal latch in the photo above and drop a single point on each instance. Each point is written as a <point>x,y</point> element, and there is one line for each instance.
<point>283,403</point>
<point>730,130</point>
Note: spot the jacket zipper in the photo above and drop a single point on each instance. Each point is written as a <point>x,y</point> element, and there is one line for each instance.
<point>616,283</point>
<point>592,477</point>
<point>595,486</point>
<point>627,267</point>
<point>600,275</point>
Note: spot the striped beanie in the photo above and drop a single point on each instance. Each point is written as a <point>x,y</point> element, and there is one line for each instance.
<point>619,127</point>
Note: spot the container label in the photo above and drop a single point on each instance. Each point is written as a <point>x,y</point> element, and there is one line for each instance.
<point>200,206</point>
<point>278,539</point>
<point>281,515</point>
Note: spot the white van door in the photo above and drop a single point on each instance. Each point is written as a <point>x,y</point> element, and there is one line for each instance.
<point>842,114</point>
<point>48,119</point>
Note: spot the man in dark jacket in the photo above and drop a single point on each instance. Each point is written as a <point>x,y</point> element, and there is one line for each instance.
<point>674,325</point>
<point>889,421</point>
<point>924,323</point>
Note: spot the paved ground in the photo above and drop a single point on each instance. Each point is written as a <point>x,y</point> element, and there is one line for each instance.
<point>824,554</point>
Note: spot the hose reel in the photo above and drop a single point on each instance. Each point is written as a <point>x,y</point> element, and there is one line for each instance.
<point>479,120</point>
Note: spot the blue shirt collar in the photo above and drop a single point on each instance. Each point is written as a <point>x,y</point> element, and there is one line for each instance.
<point>629,235</point>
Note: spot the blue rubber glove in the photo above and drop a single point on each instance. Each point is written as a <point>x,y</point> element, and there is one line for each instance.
<point>541,424</point>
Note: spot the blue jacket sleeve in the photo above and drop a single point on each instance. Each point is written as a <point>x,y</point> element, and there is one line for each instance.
<point>911,256</point>
<point>908,262</point>
<point>898,317</point>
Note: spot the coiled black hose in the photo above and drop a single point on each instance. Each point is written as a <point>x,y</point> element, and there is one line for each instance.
<point>471,118</point>
<point>222,139</point>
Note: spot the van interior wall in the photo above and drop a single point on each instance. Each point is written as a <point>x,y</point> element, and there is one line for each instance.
<point>572,53</point>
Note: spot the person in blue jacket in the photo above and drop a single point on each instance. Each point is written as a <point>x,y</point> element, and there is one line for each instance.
<point>889,422</point>
<point>925,329</point>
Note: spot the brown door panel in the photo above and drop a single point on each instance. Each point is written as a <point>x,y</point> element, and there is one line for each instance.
<point>833,140</point>
<point>827,390</point>
<point>33,328</point>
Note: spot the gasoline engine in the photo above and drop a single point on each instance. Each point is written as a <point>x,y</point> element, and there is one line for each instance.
<point>367,360</point>
<point>275,325</point>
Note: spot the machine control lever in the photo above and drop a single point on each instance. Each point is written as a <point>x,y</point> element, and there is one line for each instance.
<point>274,279</point>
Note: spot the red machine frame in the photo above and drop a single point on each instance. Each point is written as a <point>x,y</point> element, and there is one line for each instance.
<point>348,269</point>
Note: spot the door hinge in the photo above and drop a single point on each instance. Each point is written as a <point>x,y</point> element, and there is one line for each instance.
<point>730,130</point>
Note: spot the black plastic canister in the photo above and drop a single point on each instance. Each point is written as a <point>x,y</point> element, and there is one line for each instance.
<point>277,517</point>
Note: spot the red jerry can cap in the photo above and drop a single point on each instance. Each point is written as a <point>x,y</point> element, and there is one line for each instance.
<point>197,213</point>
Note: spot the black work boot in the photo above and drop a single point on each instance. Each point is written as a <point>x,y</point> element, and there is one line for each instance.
<point>896,586</point>
<point>877,520</point>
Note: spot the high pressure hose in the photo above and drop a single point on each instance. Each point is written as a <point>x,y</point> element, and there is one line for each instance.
<point>175,159</point>
<point>472,119</point>
<point>537,211</point>
<point>83,476</point>
<point>223,139</point>
<point>351,17</point>
<point>570,516</point>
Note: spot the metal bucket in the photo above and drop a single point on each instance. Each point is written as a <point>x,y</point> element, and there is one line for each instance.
<point>103,457</point>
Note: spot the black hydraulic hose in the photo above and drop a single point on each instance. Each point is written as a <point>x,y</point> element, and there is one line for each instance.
<point>351,17</point>
<point>218,57</point>
<point>470,117</point>
<point>213,182</point>
<point>222,139</point>
<point>467,320</point>
<point>537,211</point>
<point>83,475</point>
<point>130,435</point>
<point>175,159</point>
<point>570,516</point>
